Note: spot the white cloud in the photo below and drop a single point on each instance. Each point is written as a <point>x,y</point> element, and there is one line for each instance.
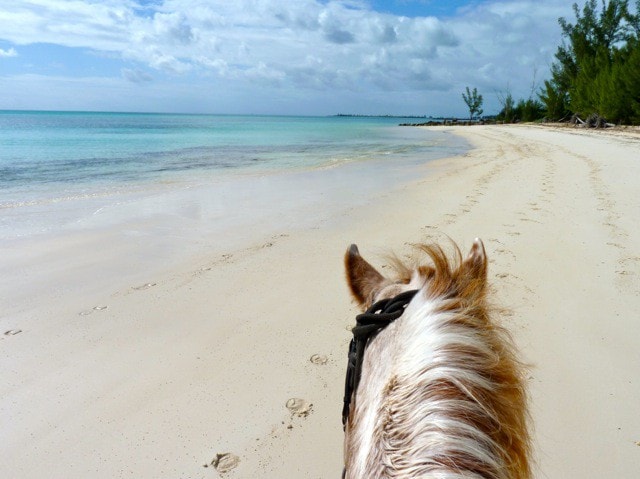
<point>507,43</point>
<point>274,34</point>
<point>334,29</point>
<point>76,24</point>
<point>11,52</point>
<point>173,27</point>
<point>136,75</point>
<point>307,45</point>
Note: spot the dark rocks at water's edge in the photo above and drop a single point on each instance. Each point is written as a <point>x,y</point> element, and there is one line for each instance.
<point>428,123</point>
<point>351,115</point>
<point>593,121</point>
<point>451,122</point>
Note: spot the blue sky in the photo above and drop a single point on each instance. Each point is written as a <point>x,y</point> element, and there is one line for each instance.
<point>421,8</point>
<point>273,56</point>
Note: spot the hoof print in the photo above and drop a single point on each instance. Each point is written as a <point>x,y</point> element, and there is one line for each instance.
<point>87,312</point>
<point>319,359</point>
<point>224,462</point>
<point>299,407</point>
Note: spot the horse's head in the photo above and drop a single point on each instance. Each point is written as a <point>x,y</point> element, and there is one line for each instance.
<point>433,386</point>
<point>465,278</point>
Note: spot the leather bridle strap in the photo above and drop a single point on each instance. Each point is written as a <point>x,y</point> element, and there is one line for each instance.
<point>368,324</point>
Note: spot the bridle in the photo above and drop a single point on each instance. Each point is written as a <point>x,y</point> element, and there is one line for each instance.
<point>368,324</point>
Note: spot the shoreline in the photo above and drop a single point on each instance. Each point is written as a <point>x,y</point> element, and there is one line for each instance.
<point>203,359</point>
<point>53,251</point>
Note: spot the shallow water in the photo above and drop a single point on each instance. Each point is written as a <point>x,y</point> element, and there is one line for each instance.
<point>89,201</point>
<point>58,169</point>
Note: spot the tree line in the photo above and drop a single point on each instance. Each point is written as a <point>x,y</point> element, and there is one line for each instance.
<point>596,72</point>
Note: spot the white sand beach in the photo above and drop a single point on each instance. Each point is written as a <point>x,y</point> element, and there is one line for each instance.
<point>152,373</point>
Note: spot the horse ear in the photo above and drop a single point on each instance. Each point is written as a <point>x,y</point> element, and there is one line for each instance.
<point>363,279</point>
<point>475,264</point>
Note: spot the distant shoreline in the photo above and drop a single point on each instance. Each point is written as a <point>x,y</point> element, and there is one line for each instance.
<point>349,115</point>
<point>339,115</point>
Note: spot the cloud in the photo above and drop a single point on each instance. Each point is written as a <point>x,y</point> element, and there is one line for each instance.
<point>74,24</point>
<point>508,43</point>
<point>168,63</point>
<point>333,28</point>
<point>263,72</point>
<point>248,38</point>
<point>174,27</point>
<point>11,52</point>
<point>382,31</point>
<point>304,46</point>
<point>136,75</point>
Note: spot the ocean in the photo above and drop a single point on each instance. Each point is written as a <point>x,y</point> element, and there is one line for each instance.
<point>90,202</point>
<point>59,168</point>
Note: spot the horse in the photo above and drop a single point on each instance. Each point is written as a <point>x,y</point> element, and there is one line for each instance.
<point>434,386</point>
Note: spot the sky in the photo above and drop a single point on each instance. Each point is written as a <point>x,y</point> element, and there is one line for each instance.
<point>289,57</point>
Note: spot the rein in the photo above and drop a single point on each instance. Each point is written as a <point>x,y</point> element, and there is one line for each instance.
<point>368,324</point>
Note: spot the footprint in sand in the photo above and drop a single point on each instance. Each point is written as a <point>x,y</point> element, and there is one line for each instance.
<point>224,462</point>
<point>625,272</point>
<point>142,287</point>
<point>319,359</point>
<point>299,407</point>
<point>87,312</point>
<point>12,332</point>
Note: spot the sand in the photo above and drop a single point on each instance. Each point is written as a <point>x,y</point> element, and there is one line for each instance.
<point>235,358</point>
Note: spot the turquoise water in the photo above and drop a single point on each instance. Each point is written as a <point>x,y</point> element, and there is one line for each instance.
<point>89,200</point>
<point>53,156</point>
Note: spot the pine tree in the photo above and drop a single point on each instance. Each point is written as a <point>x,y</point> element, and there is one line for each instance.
<point>555,100</point>
<point>596,68</point>
<point>630,77</point>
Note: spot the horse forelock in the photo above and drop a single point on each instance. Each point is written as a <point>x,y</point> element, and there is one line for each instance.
<point>442,392</point>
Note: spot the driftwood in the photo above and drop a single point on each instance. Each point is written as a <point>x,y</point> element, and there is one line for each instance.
<point>576,121</point>
<point>593,121</point>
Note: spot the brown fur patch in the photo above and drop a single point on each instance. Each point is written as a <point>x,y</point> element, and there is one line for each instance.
<point>362,278</point>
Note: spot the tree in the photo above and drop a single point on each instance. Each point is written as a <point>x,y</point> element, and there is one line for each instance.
<point>596,68</point>
<point>508,104</point>
<point>474,102</point>
<point>555,100</point>
<point>529,110</point>
<point>631,79</point>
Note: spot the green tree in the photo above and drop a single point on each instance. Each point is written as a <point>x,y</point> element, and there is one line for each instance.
<point>555,100</point>
<point>631,79</point>
<point>528,110</point>
<point>508,105</point>
<point>596,68</point>
<point>474,102</point>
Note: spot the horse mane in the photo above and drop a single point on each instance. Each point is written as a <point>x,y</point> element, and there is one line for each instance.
<point>443,272</point>
<point>452,402</point>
